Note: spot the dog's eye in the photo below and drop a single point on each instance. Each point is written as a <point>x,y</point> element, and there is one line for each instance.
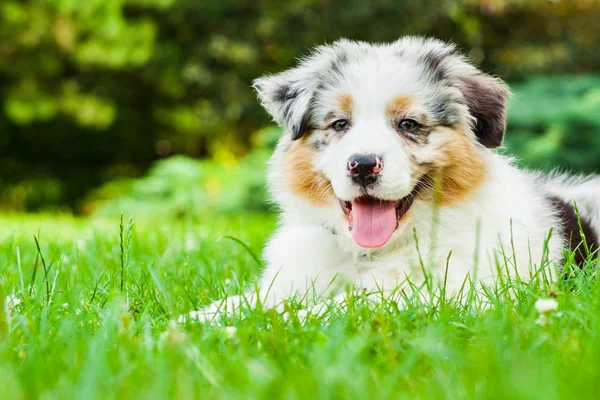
<point>340,125</point>
<point>408,125</point>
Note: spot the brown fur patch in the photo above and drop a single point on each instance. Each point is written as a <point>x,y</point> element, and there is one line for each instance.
<point>458,167</point>
<point>302,177</point>
<point>345,103</point>
<point>399,105</point>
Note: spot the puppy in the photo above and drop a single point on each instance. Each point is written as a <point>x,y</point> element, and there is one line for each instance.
<point>386,174</point>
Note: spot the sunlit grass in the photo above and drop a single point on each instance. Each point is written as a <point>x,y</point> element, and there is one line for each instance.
<point>97,321</point>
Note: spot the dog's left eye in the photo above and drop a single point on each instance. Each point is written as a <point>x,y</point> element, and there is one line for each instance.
<point>408,125</point>
<point>340,125</point>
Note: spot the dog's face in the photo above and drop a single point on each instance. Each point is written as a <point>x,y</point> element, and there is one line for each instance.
<point>373,127</point>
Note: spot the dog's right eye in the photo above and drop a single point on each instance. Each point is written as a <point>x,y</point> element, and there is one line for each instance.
<point>340,125</point>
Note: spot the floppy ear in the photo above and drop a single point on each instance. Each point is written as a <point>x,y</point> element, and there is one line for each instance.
<point>485,97</point>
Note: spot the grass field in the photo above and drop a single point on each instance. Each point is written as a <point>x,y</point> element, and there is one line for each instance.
<point>92,313</point>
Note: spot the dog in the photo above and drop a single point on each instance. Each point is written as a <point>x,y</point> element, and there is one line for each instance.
<point>388,173</point>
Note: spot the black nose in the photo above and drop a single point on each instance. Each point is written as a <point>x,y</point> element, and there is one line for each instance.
<point>364,169</point>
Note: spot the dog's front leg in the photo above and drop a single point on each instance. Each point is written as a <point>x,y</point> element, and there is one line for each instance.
<point>303,263</point>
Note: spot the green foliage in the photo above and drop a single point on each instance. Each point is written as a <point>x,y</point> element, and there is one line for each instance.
<point>73,332</point>
<point>93,90</point>
<point>554,121</point>
<point>184,187</point>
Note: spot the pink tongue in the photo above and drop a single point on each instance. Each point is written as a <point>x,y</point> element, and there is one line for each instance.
<point>373,222</point>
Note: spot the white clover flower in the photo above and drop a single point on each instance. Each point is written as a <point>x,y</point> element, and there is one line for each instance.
<point>546,306</point>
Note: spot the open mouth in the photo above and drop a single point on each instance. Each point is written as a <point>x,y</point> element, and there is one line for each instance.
<point>372,221</point>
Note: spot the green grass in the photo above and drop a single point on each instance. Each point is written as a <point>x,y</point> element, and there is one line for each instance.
<point>97,321</point>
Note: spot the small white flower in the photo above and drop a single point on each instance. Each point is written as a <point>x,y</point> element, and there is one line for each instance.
<point>65,305</point>
<point>12,301</point>
<point>546,306</point>
<point>230,331</point>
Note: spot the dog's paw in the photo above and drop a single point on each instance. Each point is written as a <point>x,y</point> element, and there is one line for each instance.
<point>207,314</point>
<point>214,312</point>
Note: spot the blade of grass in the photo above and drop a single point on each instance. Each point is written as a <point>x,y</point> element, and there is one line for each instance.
<point>46,269</point>
<point>244,246</point>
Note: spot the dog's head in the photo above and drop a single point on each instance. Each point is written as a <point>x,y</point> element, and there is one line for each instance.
<point>372,127</point>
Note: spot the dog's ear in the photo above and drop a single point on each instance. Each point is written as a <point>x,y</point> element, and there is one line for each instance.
<point>287,97</point>
<point>486,97</point>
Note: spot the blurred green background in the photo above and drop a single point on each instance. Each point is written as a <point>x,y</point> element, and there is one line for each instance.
<point>145,106</point>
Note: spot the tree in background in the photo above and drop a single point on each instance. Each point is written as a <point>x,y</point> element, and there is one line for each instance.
<point>97,89</point>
